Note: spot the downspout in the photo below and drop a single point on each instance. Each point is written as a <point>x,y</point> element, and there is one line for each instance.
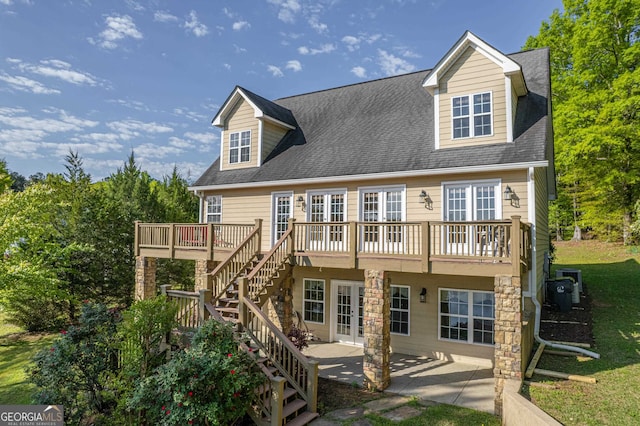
<point>533,285</point>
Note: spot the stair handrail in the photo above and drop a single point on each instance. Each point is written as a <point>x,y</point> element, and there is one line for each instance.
<point>233,266</point>
<point>261,275</point>
<point>300,372</point>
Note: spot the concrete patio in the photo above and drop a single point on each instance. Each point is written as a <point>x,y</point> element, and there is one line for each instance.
<point>446,382</point>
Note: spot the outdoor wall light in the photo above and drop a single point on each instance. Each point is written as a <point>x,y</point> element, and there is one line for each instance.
<point>425,199</point>
<point>510,195</point>
<point>300,202</point>
<point>423,295</point>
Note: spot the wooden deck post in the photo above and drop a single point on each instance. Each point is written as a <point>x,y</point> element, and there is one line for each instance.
<point>515,245</point>
<point>136,238</point>
<point>164,289</point>
<point>243,284</point>
<point>172,232</point>
<point>425,246</point>
<point>209,241</point>
<point>353,244</point>
<point>277,400</point>
<point>312,386</point>
<point>259,239</point>
<point>292,238</point>
<point>205,297</point>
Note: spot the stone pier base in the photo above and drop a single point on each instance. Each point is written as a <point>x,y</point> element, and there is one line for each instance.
<point>202,280</point>
<point>145,277</point>
<point>377,331</point>
<point>508,334</point>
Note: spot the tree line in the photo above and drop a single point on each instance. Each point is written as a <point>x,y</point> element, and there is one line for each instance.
<point>595,80</point>
<point>65,240</point>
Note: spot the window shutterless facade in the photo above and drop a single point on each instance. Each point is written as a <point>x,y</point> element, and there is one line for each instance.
<point>214,209</point>
<point>313,300</point>
<point>400,310</point>
<point>466,316</point>
<point>472,115</point>
<point>240,147</point>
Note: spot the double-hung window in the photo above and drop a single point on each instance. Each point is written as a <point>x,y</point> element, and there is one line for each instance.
<point>240,147</point>
<point>471,115</point>
<point>467,316</point>
<point>400,309</point>
<point>313,300</point>
<point>214,209</point>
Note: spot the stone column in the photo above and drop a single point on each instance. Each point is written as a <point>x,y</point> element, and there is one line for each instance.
<point>145,277</point>
<point>508,334</point>
<point>377,331</point>
<point>202,280</point>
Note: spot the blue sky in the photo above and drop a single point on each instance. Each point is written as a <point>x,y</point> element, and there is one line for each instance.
<point>104,78</point>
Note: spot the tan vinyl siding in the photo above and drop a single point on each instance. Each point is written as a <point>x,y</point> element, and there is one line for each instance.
<point>240,118</point>
<point>542,224</point>
<point>472,73</point>
<point>271,135</point>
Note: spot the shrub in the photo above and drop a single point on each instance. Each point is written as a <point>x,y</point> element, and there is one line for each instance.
<point>211,382</point>
<point>298,337</point>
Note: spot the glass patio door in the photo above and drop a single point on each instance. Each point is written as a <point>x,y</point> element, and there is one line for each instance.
<point>280,215</point>
<point>348,312</point>
<point>326,207</point>
<point>382,205</point>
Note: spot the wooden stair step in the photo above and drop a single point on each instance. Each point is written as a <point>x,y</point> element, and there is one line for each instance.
<point>293,406</point>
<point>228,300</point>
<point>227,309</point>
<point>303,419</point>
<point>288,393</point>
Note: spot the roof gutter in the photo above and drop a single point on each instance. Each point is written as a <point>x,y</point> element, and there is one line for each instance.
<point>367,176</point>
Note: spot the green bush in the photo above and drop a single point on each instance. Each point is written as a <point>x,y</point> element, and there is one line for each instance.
<point>72,372</point>
<point>211,382</point>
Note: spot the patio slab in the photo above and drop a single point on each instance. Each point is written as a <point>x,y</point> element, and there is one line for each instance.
<point>427,379</point>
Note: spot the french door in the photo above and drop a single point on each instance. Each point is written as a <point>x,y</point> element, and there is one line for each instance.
<point>326,207</point>
<point>281,205</point>
<point>470,202</point>
<point>348,311</point>
<point>382,205</point>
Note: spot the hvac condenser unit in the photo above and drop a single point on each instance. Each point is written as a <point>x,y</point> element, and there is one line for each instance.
<point>576,274</point>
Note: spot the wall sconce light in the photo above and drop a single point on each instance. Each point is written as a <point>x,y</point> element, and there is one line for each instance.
<point>300,202</point>
<point>423,295</point>
<point>425,199</point>
<point>510,195</point>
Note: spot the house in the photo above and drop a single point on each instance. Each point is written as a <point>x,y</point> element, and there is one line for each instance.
<point>404,214</point>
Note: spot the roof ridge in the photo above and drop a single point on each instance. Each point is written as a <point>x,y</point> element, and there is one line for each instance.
<point>352,84</point>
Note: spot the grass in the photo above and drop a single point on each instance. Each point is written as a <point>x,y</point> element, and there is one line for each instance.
<point>611,273</point>
<point>17,347</point>
<point>440,415</point>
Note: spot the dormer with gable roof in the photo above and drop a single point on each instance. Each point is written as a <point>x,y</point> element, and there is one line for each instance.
<point>475,89</point>
<point>251,127</point>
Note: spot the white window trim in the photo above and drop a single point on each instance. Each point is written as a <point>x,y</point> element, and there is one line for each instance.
<point>384,188</point>
<point>469,186</point>
<point>240,146</point>
<point>340,191</point>
<point>402,310</point>
<point>471,115</point>
<point>206,209</point>
<point>324,300</point>
<point>469,316</point>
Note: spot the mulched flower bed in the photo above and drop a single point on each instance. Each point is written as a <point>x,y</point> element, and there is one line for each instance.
<point>573,326</point>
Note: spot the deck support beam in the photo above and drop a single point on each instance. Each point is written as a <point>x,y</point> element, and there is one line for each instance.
<point>377,330</point>
<point>145,277</point>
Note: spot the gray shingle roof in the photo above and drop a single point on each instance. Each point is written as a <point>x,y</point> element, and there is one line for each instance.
<point>386,125</point>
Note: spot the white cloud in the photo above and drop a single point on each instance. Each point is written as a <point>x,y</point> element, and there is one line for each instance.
<point>315,23</point>
<point>179,143</point>
<point>25,84</point>
<point>57,69</point>
<point>150,150</point>
<point>227,66</point>
<point>352,42</point>
<point>287,9</point>
<point>191,115</point>
<point>63,123</point>
<point>61,149</point>
<point>325,48</point>
<point>359,72</point>
<point>137,105</point>
<point>128,129</point>
<point>27,135</point>
<point>294,65</point>
<point>237,26</point>
<point>229,14</point>
<point>134,5</point>
<point>195,26</point>
<point>203,138</point>
<point>408,53</point>
<point>6,2</point>
<point>118,28</point>
<point>164,16</point>
<point>392,65</point>
<point>239,49</point>
<point>275,71</point>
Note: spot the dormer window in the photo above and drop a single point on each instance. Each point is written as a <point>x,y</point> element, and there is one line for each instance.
<point>240,147</point>
<point>470,109</point>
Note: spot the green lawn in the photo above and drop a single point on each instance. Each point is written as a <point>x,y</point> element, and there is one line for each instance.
<point>16,349</point>
<point>611,273</point>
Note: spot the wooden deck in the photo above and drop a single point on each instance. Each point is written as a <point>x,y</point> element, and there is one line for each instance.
<point>484,248</point>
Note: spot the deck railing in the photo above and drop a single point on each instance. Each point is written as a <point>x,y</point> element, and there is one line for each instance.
<point>489,240</point>
<point>191,306</point>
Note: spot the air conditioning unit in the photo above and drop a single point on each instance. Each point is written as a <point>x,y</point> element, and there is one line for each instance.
<point>576,274</point>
